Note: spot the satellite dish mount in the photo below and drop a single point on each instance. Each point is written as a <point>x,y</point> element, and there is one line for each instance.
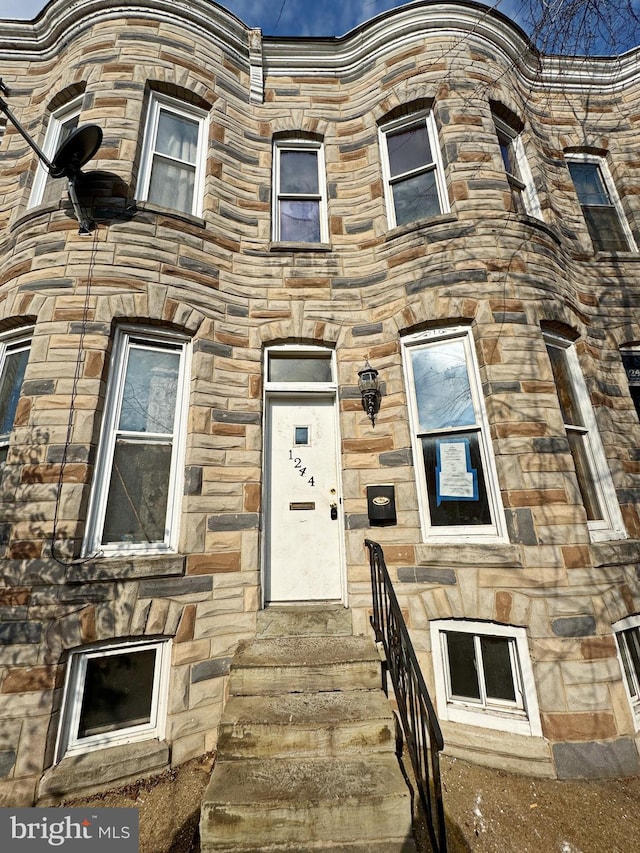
<point>79,147</point>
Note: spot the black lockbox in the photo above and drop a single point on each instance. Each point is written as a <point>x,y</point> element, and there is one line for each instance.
<point>381,505</point>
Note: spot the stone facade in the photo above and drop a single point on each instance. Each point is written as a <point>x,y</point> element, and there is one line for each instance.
<point>219,280</point>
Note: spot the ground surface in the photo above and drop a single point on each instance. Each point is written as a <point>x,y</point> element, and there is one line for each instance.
<point>488,811</point>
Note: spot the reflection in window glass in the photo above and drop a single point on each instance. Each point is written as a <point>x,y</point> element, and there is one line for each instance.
<point>443,393</point>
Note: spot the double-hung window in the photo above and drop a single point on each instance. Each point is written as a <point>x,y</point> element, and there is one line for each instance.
<point>62,123</point>
<point>594,479</point>
<point>627,634</point>
<point>483,676</point>
<point>114,694</point>
<point>300,202</point>
<point>523,194</point>
<point>457,479</point>
<point>412,169</point>
<point>601,208</point>
<point>14,354</point>
<point>136,493</point>
<point>174,155</point>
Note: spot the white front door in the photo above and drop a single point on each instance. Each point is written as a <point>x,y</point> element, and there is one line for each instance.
<point>303,507</point>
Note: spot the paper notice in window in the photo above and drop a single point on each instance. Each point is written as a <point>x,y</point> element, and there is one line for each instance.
<point>454,480</point>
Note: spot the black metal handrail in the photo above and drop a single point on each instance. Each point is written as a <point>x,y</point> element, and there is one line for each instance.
<point>417,714</point>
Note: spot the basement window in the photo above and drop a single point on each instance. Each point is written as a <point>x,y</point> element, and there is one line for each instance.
<point>627,634</point>
<point>114,695</point>
<point>484,676</point>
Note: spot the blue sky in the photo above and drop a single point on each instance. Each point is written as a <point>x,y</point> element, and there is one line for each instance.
<point>612,29</point>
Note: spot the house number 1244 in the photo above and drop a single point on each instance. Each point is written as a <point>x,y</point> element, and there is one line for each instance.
<point>302,470</point>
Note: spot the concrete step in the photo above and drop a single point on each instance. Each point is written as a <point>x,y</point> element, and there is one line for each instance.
<point>304,664</point>
<point>316,804</point>
<point>306,724</point>
<point>304,621</point>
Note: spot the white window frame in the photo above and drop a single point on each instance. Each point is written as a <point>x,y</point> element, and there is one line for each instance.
<point>522,182</point>
<point>611,525</point>
<point>296,144</point>
<point>68,742</point>
<point>57,121</point>
<point>610,187</point>
<point>124,338</point>
<point>496,531</point>
<point>157,104</point>
<point>10,343</point>
<point>630,623</point>
<point>405,123</point>
<point>519,717</point>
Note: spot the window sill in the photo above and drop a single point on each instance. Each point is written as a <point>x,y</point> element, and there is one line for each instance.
<point>419,225</point>
<point>128,568</point>
<point>279,246</point>
<point>627,257</point>
<point>93,771</point>
<point>149,207</point>
<point>479,554</point>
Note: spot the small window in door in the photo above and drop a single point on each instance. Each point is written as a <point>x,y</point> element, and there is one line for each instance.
<point>301,435</point>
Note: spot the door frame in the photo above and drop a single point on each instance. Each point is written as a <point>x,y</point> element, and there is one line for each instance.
<point>300,390</point>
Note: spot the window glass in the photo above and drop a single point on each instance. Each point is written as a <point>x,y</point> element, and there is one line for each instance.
<point>443,392</point>
<point>462,665</point>
<point>408,149</point>
<point>118,691</point>
<point>497,668</point>
<point>47,190</point>
<point>299,172</point>
<point>150,389</point>
<point>13,364</point>
<point>285,368</point>
<point>627,634</point>
<point>55,187</point>
<point>300,221</point>
<point>416,197</point>
<point>588,183</point>
<point>631,362</point>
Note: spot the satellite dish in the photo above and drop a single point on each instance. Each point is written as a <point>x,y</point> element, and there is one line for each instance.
<point>77,149</point>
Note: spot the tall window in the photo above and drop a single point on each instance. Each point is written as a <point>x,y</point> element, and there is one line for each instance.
<point>456,472</point>
<point>523,194</point>
<point>136,492</point>
<point>412,168</point>
<point>300,203</point>
<point>594,479</point>
<point>14,354</point>
<point>483,676</point>
<point>113,695</point>
<point>627,634</point>
<point>601,208</point>
<point>62,122</point>
<point>173,158</point>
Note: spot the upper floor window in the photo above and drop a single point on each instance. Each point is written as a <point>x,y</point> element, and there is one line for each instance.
<point>300,202</point>
<point>601,208</point>
<point>412,169</point>
<point>457,479</point>
<point>627,634</point>
<point>174,155</point>
<point>62,123</point>
<point>114,694</point>
<point>137,485</point>
<point>483,676</point>
<point>594,479</point>
<point>14,354</point>
<point>523,194</point>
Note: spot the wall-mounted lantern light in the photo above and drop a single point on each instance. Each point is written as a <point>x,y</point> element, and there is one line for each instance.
<point>370,390</point>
